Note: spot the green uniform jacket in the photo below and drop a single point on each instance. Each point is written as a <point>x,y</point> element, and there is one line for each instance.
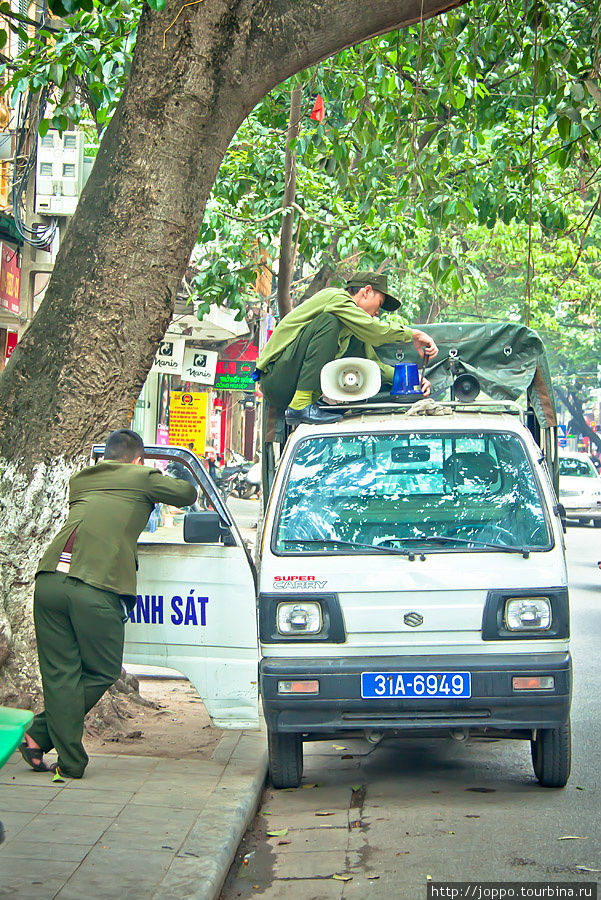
<point>355,322</point>
<point>109,505</point>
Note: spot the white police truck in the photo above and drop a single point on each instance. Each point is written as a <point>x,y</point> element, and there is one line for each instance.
<point>411,580</point>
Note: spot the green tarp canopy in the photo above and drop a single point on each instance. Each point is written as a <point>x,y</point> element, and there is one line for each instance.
<point>508,360</point>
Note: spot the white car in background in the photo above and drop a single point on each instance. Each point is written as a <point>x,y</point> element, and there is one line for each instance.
<point>580,488</point>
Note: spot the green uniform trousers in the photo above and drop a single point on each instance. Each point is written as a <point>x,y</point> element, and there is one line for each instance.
<point>79,630</point>
<point>298,367</point>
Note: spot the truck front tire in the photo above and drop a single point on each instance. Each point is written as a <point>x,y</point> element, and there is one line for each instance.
<point>285,759</point>
<point>552,755</point>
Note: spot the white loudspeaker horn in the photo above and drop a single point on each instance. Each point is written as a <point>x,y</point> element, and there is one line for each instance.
<point>350,379</point>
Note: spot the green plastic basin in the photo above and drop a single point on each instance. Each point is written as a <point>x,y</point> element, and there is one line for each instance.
<point>13,724</point>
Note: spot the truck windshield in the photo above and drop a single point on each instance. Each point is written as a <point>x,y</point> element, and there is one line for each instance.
<point>437,492</point>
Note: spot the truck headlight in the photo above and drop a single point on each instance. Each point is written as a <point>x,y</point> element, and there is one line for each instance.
<point>528,614</point>
<point>299,617</point>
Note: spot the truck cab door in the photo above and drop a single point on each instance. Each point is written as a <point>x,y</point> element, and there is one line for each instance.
<point>196,604</point>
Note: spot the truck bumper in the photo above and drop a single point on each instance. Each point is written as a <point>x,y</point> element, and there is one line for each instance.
<point>583,512</point>
<point>494,705</point>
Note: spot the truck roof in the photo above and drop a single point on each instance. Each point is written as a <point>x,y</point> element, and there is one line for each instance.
<point>474,418</point>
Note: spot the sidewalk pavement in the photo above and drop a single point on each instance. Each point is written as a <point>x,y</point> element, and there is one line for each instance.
<point>134,828</point>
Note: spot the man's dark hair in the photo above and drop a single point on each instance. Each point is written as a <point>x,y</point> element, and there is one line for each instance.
<point>123,446</point>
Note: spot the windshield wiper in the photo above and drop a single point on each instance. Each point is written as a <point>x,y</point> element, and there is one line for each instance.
<point>502,548</point>
<point>379,548</point>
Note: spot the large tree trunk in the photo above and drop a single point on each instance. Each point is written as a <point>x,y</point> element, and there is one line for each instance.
<point>197,71</point>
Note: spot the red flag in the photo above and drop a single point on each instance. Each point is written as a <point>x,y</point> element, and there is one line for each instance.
<point>318,113</point>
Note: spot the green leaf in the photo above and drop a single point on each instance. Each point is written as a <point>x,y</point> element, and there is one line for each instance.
<point>44,126</point>
<point>594,91</point>
<point>57,74</point>
<point>564,126</point>
<point>577,92</point>
<point>458,100</point>
<point>158,5</point>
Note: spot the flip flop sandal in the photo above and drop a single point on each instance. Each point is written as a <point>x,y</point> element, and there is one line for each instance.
<point>30,753</point>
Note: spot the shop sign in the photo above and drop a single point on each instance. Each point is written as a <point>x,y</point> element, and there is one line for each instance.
<point>170,356</point>
<point>11,342</point>
<point>266,329</point>
<point>234,376</point>
<point>188,420</point>
<point>10,279</point>
<point>199,366</point>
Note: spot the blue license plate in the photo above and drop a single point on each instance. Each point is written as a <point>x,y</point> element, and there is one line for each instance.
<point>416,684</point>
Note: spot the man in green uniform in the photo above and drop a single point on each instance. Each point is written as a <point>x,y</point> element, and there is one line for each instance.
<point>320,330</point>
<point>85,587</point>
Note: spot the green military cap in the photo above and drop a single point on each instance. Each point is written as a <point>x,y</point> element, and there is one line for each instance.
<point>378,283</point>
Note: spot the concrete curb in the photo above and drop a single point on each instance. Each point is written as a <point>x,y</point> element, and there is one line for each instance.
<point>202,863</point>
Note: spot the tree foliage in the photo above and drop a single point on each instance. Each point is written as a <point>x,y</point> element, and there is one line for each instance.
<point>479,128</point>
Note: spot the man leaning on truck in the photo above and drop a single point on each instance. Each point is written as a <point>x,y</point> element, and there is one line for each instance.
<point>320,330</point>
<point>85,585</point>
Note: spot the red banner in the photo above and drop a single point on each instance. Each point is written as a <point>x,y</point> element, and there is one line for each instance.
<point>10,279</point>
<point>11,342</point>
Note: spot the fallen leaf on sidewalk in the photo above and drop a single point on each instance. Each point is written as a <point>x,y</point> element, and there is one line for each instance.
<point>587,869</point>
<point>339,747</point>
<point>310,785</point>
<point>342,876</point>
<point>573,837</point>
<point>372,876</point>
<point>324,813</point>
<point>285,841</point>
<point>347,756</point>
<point>281,832</point>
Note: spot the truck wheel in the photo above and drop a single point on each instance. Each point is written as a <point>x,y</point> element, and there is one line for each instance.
<point>552,755</point>
<point>285,759</point>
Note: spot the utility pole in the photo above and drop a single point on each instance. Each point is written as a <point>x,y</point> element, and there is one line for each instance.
<point>285,267</point>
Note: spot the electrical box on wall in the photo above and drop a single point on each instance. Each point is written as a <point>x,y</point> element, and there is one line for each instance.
<point>59,172</point>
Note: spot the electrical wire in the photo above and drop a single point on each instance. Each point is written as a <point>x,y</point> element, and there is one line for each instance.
<point>28,120</point>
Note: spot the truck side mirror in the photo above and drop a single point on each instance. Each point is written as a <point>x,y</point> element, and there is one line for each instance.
<point>561,512</point>
<point>207,528</point>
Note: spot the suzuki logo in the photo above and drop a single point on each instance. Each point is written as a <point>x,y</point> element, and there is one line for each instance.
<point>413,619</point>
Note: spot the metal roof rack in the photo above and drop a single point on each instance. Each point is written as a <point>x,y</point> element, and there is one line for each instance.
<point>425,407</point>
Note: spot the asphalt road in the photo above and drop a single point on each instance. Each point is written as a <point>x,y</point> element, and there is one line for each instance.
<point>392,818</point>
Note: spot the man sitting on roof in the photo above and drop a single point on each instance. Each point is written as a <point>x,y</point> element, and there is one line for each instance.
<point>320,330</point>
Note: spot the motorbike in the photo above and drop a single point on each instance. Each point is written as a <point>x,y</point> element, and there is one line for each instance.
<point>231,479</point>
